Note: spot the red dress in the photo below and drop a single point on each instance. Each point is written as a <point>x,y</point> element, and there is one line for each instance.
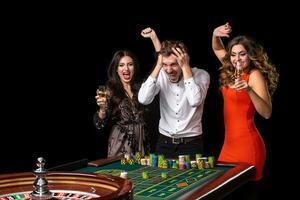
<point>243,142</point>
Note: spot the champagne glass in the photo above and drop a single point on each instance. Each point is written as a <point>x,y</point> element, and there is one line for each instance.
<point>238,72</point>
<point>101,93</point>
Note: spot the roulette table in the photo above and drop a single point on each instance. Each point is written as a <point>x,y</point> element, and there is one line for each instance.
<point>100,179</point>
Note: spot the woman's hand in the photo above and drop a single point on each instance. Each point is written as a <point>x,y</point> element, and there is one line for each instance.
<point>101,102</point>
<point>240,84</point>
<point>222,31</point>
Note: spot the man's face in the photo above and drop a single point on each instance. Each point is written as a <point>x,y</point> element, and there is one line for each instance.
<point>172,68</point>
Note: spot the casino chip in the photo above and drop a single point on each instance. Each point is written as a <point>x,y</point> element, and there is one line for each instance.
<point>123,174</point>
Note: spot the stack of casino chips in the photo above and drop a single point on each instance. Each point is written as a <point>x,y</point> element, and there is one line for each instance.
<point>194,164</point>
<point>143,161</point>
<point>127,159</point>
<point>127,156</point>
<point>187,158</point>
<point>150,159</point>
<point>198,156</point>
<point>154,160</point>
<point>145,175</point>
<point>164,164</point>
<point>170,163</point>
<point>138,156</point>
<point>123,161</point>
<point>175,164</point>
<point>161,159</point>
<point>181,163</point>
<point>164,175</point>
<point>205,159</point>
<point>187,161</point>
<point>147,160</point>
<point>211,161</point>
<point>201,163</point>
<point>130,161</point>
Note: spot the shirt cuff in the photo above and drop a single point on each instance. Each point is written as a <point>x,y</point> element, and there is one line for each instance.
<point>151,80</point>
<point>189,81</point>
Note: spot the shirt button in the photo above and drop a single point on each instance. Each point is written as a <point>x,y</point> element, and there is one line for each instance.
<point>177,120</point>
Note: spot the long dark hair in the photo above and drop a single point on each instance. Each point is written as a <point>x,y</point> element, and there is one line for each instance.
<point>112,74</point>
<point>114,84</point>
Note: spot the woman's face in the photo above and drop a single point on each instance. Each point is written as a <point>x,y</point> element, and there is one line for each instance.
<point>126,69</point>
<point>239,57</point>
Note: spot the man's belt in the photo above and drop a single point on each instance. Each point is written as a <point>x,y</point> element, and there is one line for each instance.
<point>180,140</point>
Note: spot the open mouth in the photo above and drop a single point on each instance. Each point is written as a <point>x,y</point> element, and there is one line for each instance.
<point>239,65</point>
<point>126,76</point>
<point>173,78</point>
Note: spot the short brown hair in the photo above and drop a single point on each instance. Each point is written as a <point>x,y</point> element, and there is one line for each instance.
<point>167,45</point>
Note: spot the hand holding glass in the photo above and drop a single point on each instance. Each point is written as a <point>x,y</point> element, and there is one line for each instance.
<point>237,75</point>
<point>101,97</point>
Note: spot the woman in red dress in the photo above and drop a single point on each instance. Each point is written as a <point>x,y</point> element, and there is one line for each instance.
<point>247,80</point>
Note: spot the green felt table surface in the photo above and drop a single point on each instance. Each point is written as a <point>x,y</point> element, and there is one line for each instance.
<point>177,183</point>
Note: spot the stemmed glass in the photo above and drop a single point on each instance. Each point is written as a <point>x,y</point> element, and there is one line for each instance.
<point>101,93</point>
<point>238,71</point>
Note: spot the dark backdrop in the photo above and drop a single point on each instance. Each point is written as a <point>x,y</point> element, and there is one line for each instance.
<point>57,56</point>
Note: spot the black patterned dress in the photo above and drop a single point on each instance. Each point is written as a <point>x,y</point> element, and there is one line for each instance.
<point>127,132</point>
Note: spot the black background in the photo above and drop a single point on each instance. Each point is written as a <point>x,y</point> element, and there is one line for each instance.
<point>56,55</point>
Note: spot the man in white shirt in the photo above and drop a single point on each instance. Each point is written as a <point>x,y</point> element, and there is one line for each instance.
<point>182,91</point>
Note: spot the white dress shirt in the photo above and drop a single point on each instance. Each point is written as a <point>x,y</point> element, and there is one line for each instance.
<point>181,104</point>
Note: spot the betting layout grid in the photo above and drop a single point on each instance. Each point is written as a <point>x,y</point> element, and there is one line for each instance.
<point>176,182</point>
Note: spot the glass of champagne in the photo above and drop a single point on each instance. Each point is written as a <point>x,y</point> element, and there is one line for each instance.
<point>238,72</point>
<point>101,93</point>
